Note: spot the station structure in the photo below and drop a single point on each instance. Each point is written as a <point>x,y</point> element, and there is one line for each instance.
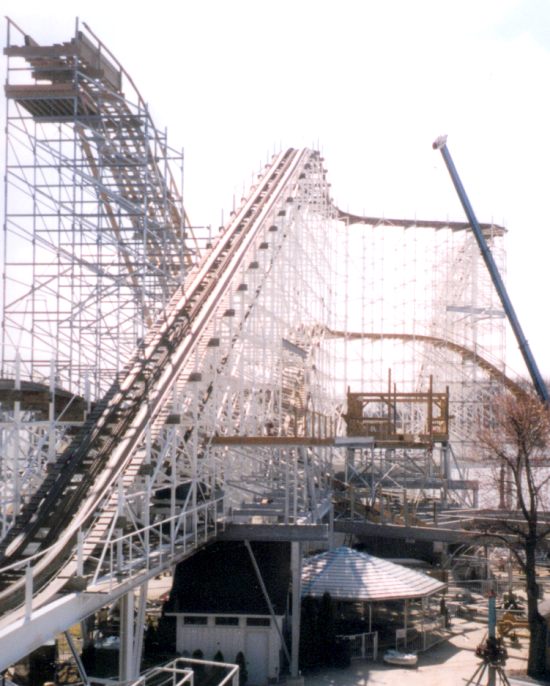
<point>163,384</point>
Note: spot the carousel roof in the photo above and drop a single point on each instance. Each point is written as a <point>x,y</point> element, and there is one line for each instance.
<point>350,575</point>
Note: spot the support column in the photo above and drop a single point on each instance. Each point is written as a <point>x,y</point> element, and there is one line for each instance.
<point>140,628</point>
<point>350,464</point>
<point>492,639</point>
<point>51,416</point>
<point>447,473</point>
<point>76,657</point>
<point>296,570</point>
<point>126,655</point>
<point>406,619</point>
<point>17,436</point>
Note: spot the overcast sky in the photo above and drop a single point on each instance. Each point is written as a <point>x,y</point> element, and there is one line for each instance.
<point>370,83</point>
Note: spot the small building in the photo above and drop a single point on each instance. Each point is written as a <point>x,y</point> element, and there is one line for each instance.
<point>219,605</point>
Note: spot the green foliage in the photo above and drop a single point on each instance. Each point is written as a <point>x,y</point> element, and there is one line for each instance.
<point>318,646</point>
<point>213,674</point>
<point>150,639</point>
<point>166,633</point>
<point>243,672</point>
<point>309,647</point>
<point>198,669</point>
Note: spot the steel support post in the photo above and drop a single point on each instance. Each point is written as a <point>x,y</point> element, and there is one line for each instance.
<point>296,569</point>
<point>492,625</point>
<point>140,627</point>
<point>17,437</point>
<point>331,527</point>
<point>126,662</point>
<point>76,657</point>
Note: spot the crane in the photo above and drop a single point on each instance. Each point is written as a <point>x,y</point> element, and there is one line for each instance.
<point>542,391</point>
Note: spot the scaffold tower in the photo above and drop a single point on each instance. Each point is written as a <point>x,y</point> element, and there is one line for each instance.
<point>95,241</point>
<point>96,238</point>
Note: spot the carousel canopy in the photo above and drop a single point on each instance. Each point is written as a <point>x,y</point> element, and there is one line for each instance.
<point>350,575</point>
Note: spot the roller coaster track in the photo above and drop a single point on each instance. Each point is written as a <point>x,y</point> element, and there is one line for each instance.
<point>465,353</point>
<point>351,219</point>
<point>43,541</point>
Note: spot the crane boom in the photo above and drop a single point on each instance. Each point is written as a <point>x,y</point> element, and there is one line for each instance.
<point>540,387</point>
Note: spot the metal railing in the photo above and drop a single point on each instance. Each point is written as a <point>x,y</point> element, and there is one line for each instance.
<point>423,636</point>
<point>177,672</point>
<point>182,671</point>
<point>362,646</point>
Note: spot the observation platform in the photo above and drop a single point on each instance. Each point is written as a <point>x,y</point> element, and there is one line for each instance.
<point>68,67</point>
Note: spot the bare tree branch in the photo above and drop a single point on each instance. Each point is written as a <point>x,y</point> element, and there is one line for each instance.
<point>517,442</point>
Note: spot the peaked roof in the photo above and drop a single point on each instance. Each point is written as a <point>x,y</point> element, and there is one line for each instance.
<point>350,575</point>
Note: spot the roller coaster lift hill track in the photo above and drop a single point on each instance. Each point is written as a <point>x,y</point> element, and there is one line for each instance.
<point>542,391</point>
<point>137,482</point>
<point>101,451</point>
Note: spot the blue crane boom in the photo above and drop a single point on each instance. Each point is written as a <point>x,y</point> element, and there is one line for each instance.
<point>540,387</point>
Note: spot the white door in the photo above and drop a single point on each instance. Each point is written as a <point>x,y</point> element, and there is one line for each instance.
<point>256,656</point>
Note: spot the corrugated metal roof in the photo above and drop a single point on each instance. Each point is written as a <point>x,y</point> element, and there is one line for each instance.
<point>350,575</point>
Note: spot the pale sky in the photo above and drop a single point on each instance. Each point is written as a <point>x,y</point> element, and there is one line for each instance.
<point>371,83</point>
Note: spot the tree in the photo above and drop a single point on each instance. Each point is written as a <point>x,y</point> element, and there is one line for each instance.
<point>310,654</point>
<point>150,639</point>
<point>243,672</point>
<point>326,628</point>
<point>517,444</point>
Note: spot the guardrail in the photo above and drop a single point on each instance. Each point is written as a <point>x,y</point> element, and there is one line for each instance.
<point>422,636</point>
<point>154,545</point>
<point>362,646</point>
<point>181,671</point>
<point>134,553</point>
